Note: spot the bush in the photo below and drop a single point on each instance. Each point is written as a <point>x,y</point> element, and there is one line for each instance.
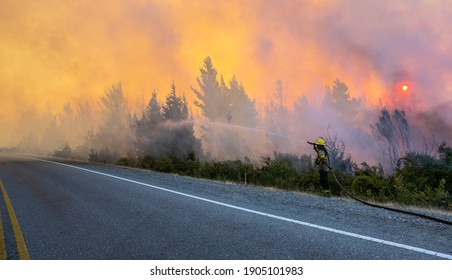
<point>445,154</point>
<point>301,164</point>
<point>408,192</point>
<point>423,177</point>
<point>65,152</point>
<point>365,186</point>
<point>231,170</point>
<point>104,155</point>
<point>147,162</point>
<point>164,165</point>
<point>189,166</point>
<point>369,183</point>
<point>126,161</point>
<point>279,173</point>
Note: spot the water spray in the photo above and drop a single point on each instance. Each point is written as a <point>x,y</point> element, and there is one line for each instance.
<point>228,125</point>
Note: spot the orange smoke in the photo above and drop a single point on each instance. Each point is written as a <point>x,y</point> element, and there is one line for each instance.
<point>70,51</point>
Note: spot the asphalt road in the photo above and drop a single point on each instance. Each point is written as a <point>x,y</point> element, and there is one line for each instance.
<point>84,211</point>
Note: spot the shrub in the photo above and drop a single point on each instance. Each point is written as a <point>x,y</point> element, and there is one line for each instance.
<point>126,161</point>
<point>370,183</point>
<point>424,176</point>
<point>164,165</point>
<point>104,155</point>
<point>279,173</point>
<point>65,152</point>
<point>364,186</point>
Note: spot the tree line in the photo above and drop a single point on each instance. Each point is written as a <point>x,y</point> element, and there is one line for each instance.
<point>231,141</point>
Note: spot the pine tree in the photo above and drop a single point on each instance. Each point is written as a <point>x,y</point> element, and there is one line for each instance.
<point>113,135</point>
<point>67,126</point>
<point>175,108</point>
<point>225,107</point>
<point>338,98</point>
<point>211,98</point>
<point>177,138</point>
<point>146,127</point>
<point>166,130</point>
<point>242,109</point>
<point>153,112</point>
<point>276,119</point>
<point>52,138</point>
<point>27,129</point>
<point>303,111</point>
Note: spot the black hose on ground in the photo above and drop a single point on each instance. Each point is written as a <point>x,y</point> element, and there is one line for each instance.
<point>390,208</point>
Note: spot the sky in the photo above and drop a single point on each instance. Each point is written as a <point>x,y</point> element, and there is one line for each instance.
<point>55,52</point>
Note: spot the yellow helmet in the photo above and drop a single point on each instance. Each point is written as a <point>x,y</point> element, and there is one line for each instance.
<point>320,142</point>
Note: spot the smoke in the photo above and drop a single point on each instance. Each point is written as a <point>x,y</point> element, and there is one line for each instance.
<point>56,53</point>
<point>436,121</point>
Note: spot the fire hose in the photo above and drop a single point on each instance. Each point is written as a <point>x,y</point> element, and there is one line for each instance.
<point>386,207</point>
<point>389,208</point>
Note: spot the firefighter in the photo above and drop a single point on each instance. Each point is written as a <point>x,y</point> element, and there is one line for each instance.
<point>322,162</point>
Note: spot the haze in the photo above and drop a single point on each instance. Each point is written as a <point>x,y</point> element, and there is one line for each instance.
<point>55,53</point>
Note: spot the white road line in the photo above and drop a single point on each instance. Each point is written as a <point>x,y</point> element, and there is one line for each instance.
<point>351,234</point>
